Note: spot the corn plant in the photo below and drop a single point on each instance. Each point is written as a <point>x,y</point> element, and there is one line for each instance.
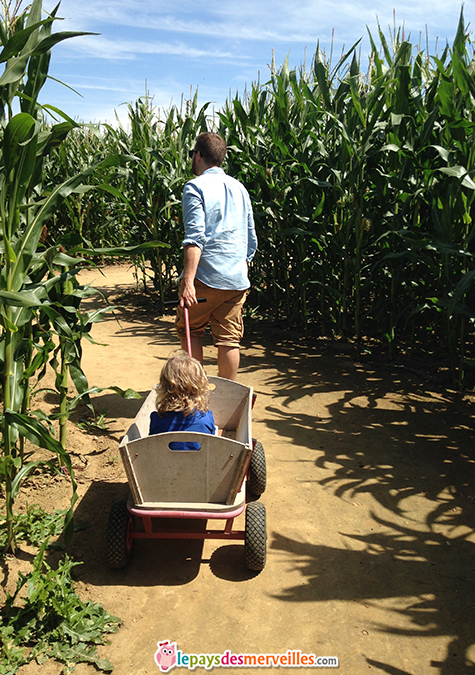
<point>155,183</point>
<point>35,281</point>
<point>45,618</point>
<point>362,187</point>
<point>363,190</point>
<point>26,40</point>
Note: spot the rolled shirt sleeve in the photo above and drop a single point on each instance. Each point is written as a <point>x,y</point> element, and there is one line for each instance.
<point>193,216</point>
<point>251,235</point>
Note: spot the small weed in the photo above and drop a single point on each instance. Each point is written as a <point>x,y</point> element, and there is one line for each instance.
<point>52,621</point>
<point>37,525</point>
<point>97,423</point>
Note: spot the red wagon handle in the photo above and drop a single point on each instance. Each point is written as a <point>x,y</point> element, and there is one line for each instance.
<point>187,330</point>
<point>174,303</point>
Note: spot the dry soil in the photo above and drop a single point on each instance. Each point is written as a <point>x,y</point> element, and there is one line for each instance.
<point>370,507</point>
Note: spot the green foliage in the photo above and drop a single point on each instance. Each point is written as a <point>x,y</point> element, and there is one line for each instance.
<point>362,183</point>
<point>52,621</point>
<point>24,210</point>
<point>142,201</point>
<point>41,320</point>
<point>36,525</point>
<point>99,422</point>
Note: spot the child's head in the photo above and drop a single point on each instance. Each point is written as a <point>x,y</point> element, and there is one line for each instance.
<point>183,386</point>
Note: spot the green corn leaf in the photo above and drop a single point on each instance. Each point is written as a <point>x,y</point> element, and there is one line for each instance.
<point>64,277</point>
<point>59,322</point>
<point>26,246</point>
<point>25,471</point>
<point>97,314</point>
<point>115,160</point>
<point>32,429</point>
<point>37,71</point>
<point>49,42</point>
<point>116,193</point>
<point>14,70</point>
<point>320,74</point>
<point>127,394</point>
<point>60,113</point>
<point>19,39</point>
<point>6,324</point>
<point>39,360</point>
<point>10,253</point>
<point>27,298</point>
<point>443,152</point>
<point>120,250</point>
<point>391,147</point>
<point>18,134</point>
<point>78,377</point>
<point>53,137</point>
<point>459,172</point>
<point>64,260</point>
<point>354,89</point>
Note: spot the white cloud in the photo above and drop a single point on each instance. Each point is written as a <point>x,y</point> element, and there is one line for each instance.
<point>266,20</point>
<point>217,45</point>
<point>102,85</point>
<point>120,49</point>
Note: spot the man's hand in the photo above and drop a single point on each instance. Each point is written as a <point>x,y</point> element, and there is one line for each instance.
<point>187,293</point>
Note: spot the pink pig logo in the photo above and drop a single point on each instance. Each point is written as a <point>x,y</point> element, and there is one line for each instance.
<point>165,656</point>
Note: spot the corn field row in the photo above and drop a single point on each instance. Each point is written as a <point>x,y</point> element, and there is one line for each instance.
<point>362,186</point>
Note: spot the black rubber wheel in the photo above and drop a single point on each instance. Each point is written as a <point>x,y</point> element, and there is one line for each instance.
<point>257,477</point>
<point>255,542</point>
<point>118,541</point>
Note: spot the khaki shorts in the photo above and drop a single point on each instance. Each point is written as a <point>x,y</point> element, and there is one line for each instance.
<point>222,309</point>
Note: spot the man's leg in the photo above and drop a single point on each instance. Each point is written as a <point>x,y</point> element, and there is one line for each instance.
<point>197,349</point>
<point>228,362</point>
<point>227,328</point>
<point>199,316</point>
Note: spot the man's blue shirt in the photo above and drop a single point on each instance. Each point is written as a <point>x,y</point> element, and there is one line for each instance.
<point>218,218</point>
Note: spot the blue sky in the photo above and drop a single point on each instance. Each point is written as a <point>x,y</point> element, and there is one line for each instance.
<point>216,46</point>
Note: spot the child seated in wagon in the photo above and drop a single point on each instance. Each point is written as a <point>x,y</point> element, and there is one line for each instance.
<point>182,400</point>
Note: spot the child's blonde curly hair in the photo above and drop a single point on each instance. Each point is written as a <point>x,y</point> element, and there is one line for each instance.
<point>183,386</point>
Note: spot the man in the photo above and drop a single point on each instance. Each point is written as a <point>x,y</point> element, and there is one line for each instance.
<point>220,241</point>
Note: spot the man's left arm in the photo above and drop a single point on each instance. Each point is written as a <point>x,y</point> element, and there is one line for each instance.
<point>251,236</point>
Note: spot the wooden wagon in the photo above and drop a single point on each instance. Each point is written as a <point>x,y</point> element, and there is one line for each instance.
<point>206,484</point>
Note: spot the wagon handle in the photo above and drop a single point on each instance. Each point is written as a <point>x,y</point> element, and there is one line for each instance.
<point>187,331</point>
<point>174,303</point>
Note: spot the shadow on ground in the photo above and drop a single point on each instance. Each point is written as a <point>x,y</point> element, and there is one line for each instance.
<point>396,435</point>
<point>164,562</point>
<point>391,431</point>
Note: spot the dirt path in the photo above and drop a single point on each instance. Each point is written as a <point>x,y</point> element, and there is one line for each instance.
<point>370,507</point>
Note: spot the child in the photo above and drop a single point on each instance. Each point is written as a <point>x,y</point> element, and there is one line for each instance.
<point>182,400</point>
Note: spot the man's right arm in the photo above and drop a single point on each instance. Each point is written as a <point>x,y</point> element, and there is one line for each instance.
<point>187,287</point>
<point>194,220</point>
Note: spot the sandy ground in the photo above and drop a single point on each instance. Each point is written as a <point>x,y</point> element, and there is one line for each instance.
<point>370,507</point>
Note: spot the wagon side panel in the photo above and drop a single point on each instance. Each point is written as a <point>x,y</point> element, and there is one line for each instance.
<point>208,475</point>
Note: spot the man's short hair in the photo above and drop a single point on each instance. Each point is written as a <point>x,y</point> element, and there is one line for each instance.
<point>212,148</point>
